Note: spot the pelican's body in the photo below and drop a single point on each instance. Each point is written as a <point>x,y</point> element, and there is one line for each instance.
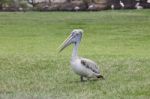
<point>85,68</point>
<point>81,66</point>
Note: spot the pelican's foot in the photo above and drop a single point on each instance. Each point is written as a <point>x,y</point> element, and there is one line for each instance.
<point>81,78</point>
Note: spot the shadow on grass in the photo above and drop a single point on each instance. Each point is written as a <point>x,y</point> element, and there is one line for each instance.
<point>87,80</point>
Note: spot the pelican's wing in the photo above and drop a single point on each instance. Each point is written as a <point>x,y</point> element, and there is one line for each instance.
<point>89,64</point>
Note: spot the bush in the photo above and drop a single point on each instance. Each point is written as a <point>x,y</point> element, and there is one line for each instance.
<point>25,5</point>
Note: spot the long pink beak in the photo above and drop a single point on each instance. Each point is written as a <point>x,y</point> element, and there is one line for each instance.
<point>66,43</point>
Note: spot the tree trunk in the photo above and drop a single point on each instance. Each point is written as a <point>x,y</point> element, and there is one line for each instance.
<point>1,6</point>
<point>69,1</point>
<point>33,3</point>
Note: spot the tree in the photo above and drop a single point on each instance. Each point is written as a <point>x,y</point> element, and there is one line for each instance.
<point>32,2</point>
<point>2,2</point>
<point>6,1</point>
<point>12,3</point>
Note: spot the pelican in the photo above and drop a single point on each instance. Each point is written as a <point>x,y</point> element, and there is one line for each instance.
<point>122,4</point>
<point>77,8</point>
<point>83,67</point>
<point>138,6</point>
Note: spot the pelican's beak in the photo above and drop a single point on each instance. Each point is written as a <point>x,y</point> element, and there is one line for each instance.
<point>66,43</point>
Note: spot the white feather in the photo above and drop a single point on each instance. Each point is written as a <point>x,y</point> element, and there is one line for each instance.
<point>82,70</point>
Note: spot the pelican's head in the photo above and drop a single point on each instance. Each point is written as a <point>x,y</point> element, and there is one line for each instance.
<point>74,38</point>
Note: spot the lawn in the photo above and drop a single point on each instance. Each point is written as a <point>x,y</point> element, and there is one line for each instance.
<point>32,68</point>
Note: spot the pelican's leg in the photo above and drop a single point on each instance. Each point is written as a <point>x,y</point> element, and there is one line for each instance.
<point>81,77</point>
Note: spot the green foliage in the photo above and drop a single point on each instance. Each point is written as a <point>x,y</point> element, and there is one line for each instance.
<point>32,68</point>
<point>24,4</point>
<point>5,1</point>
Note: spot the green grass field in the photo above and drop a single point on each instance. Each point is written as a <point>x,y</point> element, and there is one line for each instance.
<point>32,68</point>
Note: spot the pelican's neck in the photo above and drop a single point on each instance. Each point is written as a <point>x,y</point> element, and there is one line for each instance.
<point>75,51</point>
